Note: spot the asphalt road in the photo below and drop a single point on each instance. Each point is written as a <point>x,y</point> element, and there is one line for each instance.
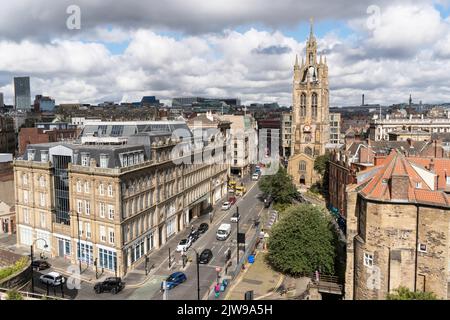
<point>249,208</point>
<point>85,291</point>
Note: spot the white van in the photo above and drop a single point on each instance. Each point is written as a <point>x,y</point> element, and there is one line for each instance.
<point>223,232</point>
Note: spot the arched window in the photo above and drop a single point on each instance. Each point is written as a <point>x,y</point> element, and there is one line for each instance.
<point>308,151</point>
<point>303,105</point>
<point>302,165</point>
<point>314,105</point>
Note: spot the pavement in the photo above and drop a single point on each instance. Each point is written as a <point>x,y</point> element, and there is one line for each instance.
<point>260,278</point>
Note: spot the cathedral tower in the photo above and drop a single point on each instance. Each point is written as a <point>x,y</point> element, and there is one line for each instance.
<point>310,125</point>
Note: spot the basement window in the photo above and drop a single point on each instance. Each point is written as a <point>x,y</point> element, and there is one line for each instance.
<point>422,247</point>
<point>368,260</point>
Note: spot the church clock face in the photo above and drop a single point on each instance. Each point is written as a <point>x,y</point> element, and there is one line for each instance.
<point>307,128</point>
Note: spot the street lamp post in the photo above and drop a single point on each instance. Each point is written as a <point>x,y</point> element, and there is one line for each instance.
<point>237,237</point>
<point>198,271</point>
<point>170,260</point>
<point>32,257</point>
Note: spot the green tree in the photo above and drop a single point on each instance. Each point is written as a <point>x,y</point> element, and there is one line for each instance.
<point>279,186</point>
<point>302,241</point>
<point>403,293</point>
<point>321,166</point>
<point>321,163</point>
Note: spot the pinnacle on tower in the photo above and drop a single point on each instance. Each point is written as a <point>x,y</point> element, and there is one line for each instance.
<point>296,61</point>
<point>311,24</point>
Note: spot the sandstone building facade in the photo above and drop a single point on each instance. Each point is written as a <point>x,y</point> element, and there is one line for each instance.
<point>398,230</point>
<point>118,193</point>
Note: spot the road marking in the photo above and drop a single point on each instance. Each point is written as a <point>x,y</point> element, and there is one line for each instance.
<point>212,248</point>
<point>240,199</point>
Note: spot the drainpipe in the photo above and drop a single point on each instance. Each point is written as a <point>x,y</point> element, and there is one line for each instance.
<point>417,249</point>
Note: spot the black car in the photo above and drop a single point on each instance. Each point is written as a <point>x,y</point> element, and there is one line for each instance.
<point>203,228</point>
<point>194,235</point>
<point>113,285</point>
<point>267,201</point>
<point>41,264</point>
<point>205,256</point>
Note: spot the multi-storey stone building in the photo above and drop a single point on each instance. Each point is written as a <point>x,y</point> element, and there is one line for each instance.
<point>380,128</point>
<point>311,122</point>
<point>286,134</point>
<point>243,143</point>
<point>398,229</point>
<point>335,128</point>
<point>117,194</point>
<point>7,135</point>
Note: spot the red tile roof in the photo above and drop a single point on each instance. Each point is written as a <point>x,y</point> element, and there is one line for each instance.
<point>441,168</point>
<point>378,186</point>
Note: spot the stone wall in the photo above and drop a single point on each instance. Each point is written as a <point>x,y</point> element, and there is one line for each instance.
<point>393,232</point>
<point>352,230</point>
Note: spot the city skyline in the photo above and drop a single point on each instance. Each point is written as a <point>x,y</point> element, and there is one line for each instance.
<point>248,54</point>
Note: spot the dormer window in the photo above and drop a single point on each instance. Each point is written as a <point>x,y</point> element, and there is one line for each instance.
<point>104,159</point>
<point>44,156</point>
<point>31,153</point>
<point>419,185</point>
<point>85,159</point>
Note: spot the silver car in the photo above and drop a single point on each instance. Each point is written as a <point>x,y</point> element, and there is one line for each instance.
<point>52,278</point>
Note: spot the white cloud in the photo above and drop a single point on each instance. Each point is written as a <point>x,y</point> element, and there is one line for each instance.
<point>409,52</point>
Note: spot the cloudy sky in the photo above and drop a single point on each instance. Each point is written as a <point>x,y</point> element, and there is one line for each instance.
<point>240,48</point>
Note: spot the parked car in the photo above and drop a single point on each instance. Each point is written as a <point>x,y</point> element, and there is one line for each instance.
<point>203,228</point>
<point>174,280</point>
<point>52,278</point>
<point>267,201</point>
<point>255,176</point>
<point>240,190</point>
<point>40,264</point>
<point>223,232</point>
<point>235,217</point>
<point>112,284</point>
<point>226,205</point>
<point>184,244</point>
<point>194,235</point>
<point>232,200</point>
<point>205,256</point>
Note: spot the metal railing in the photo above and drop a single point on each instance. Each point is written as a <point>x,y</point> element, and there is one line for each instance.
<point>31,295</point>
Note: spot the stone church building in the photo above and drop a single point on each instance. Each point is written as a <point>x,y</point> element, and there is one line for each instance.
<point>310,124</point>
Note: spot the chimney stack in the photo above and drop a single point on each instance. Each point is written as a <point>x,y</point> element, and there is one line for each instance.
<point>362,100</point>
<point>399,185</point>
